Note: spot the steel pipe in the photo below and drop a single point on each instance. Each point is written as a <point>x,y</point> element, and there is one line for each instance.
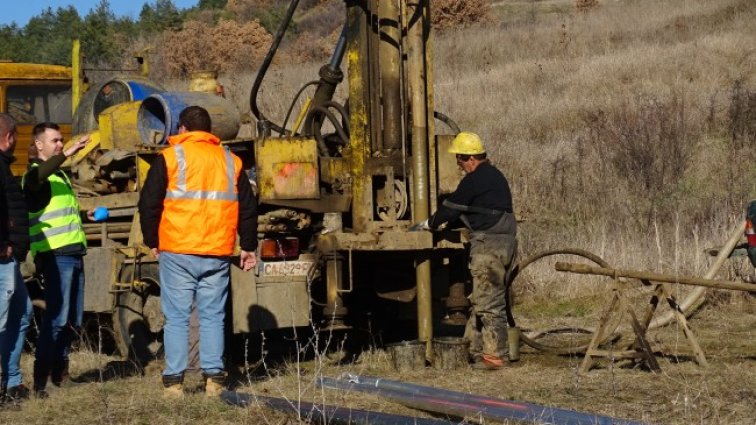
<point>327,414</point>
<point>467,405</point>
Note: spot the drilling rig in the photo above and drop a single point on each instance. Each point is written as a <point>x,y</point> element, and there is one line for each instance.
<point>337,191</point>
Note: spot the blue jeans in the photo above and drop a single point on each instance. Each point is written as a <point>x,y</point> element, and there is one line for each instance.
<point>204,280</point>
<point>15,315</point>
<point>64,311</point>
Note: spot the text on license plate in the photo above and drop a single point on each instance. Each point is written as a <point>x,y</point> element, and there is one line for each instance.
<point>286,268</point>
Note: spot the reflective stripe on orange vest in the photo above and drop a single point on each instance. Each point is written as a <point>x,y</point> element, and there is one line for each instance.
<point>200,209</point>
<point>181,193</point>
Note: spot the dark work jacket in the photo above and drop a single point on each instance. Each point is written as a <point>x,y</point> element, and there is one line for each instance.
<point>152,196</point>
<point>485,187</point>
<point>14,216</point>
<point>38,194</point>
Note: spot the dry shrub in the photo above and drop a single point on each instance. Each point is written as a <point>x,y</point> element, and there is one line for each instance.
<point>585,5</point>
<point>243,8</point>
<point>309,47</point>
<point>322,19</point>
<point>226,47</point>
<point>447,14</point>
<point>742,116</point>
<point>647,145</point>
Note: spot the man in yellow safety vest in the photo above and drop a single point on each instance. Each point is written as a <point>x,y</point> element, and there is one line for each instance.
<point>58,244</point>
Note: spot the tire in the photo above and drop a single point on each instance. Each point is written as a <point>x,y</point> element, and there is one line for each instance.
<point>137,319</point>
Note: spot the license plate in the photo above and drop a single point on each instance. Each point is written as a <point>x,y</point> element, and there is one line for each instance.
<point>286,268</point>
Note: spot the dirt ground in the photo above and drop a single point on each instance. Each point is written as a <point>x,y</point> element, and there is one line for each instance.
<point>112,391</point>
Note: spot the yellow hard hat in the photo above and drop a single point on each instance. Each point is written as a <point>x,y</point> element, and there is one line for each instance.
<point>467,144</point>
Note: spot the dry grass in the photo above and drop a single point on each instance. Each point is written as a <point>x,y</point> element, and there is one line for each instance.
<point>571,104</point>
<point>682,394</point>
<point>615,121</point>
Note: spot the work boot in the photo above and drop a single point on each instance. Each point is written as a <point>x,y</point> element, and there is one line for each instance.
<point>488,362</point>
<point>173,386</point>
<point>12,397</point>
<point>18,393</point>
<point>215,384</point>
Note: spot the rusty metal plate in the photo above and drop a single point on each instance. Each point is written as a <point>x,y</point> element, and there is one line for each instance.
<point>287,169</point>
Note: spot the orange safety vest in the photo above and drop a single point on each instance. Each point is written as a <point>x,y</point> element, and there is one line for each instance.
<point>201,206</point>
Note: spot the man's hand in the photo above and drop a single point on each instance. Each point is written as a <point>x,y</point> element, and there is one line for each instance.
<point>248,260</point>
<point>76,146</point>
<point>423,225</point>
<point>156,253</point>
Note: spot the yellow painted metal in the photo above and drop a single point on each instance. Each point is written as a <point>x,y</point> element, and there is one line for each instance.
<point>287,169</point>
<point>359,138</point>
<point>30,74</point>
<point>10,71</point>
<point>301,116</point>
<point>77,82</point>
<point>118,126</point>
<point>204,81</point>
<point>142,168</point>
<point>94,143</point>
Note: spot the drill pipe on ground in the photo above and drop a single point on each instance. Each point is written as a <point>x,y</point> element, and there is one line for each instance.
<point>467,405</point>
<point>326,413</point>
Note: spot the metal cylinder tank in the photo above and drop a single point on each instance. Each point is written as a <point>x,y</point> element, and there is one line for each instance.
<point>111,93</point>
<point>158,116</point>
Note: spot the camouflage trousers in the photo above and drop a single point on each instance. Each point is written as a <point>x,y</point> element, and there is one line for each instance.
<point>490,257</point>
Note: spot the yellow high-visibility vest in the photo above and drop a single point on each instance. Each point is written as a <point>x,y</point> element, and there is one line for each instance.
<point>59,223</point>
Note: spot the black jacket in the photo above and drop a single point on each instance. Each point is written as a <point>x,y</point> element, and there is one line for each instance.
<point>14,216</point>
<point>153,194</point>
<point>485,187</point>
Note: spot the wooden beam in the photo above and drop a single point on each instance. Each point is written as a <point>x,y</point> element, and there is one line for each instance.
<point>655,277</point>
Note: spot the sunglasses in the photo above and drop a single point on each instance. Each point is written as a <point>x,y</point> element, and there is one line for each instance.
<point>463,158</point>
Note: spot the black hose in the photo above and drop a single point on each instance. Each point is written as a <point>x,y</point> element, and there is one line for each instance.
<point>344,114</point>
<point>512,277</point>
<point>266,63</point>
<point>343,136</point>
<point>448,121</point>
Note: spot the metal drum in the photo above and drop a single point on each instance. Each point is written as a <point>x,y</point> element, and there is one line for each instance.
<point>111,93</point>
<point>158,116</point>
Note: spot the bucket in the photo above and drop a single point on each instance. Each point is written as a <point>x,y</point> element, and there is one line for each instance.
<point>450,353</point>
<point>513,339</point>
<point>407,355</point>
<point>204,81</point>
<point>158,116</point>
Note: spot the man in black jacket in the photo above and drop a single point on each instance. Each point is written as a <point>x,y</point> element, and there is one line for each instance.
<point>15,306</point>
<point>483,203</point>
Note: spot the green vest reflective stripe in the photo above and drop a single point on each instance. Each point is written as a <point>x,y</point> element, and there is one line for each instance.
<point>58,224</point>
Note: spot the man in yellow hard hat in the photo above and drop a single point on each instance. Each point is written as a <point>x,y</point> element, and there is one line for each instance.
<point>483,203</point>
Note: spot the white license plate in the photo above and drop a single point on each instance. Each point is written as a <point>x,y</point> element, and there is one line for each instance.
<point>286,268</point>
